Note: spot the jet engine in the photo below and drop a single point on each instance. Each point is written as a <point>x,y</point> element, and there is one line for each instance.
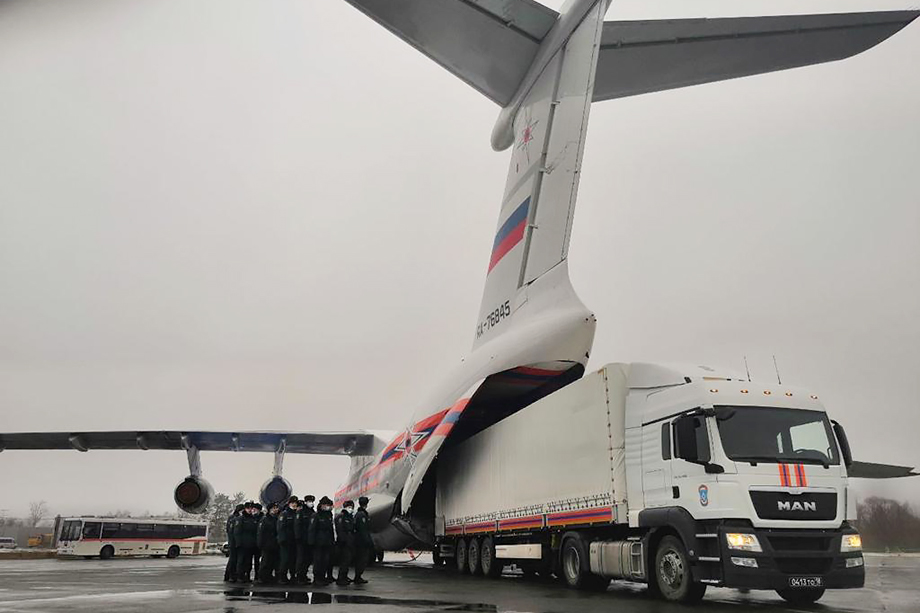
<point>193,495</point>
<point>276,489</point>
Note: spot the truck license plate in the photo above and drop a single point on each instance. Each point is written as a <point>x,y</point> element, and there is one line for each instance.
<point>806,581</point>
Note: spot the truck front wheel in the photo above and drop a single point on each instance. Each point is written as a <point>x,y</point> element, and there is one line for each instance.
<point>672,572</point>
<point>804,596</point>
<point>460,556</point>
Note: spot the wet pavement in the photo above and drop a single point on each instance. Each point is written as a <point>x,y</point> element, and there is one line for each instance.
<point>193,584</point>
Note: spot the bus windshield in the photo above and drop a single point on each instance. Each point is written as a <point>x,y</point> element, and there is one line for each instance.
<point>770,434</point>
<point>71,530</point>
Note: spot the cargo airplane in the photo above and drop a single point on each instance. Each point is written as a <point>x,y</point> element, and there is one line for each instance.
<point>533,335</point>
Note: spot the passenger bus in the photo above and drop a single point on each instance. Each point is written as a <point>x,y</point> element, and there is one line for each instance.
<point>107,537</point>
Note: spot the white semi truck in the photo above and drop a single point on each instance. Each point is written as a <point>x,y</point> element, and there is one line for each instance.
<point>678,478</point>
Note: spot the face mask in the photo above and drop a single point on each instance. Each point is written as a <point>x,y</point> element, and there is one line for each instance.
<point>309,505</point>
<point>325,507</point>
<point>348,509</point>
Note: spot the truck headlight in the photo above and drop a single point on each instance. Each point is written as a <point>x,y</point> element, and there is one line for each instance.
<point>742,541</point>
<point>850,542</point>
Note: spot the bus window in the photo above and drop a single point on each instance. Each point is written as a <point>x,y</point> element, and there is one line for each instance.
<point>109,530</point>
<point>71,530</point>
<point>92,530</point>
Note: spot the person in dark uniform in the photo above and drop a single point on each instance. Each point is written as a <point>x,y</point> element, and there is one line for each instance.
<point>287,542</point>
<point>259,514</point>
<point>268,545</point>
<point>321,537</point>
<point>345,540</point>
<point>230,570</point>
<point>245,534</point>
<point>301,528</point>
<point>364,543</point>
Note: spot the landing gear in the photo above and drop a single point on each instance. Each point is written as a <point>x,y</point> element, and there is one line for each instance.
<point>804,596</point>
<point>672,573</point>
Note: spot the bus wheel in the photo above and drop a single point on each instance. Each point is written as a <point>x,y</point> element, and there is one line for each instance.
<point>491,566</point>
<point>460,556</point>
<point>173,552</point>
<point>672,572</point>
<point>804,596</point>
<point>472,557</point>
<point>107,552</point>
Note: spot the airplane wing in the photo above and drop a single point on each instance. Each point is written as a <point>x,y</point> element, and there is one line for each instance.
<point>869,470</point>
<point>325,443</point>
<point>638,57</point>
<point>487,43</point>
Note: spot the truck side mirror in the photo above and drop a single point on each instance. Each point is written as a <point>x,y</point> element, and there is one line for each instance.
<point>844,444</point>
<point>692,439</point>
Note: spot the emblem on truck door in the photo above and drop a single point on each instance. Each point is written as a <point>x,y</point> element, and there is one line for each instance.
<point>704,496</point>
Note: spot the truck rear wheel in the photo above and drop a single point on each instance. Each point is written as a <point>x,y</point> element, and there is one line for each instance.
<point>491,566</point>
<point>804,596</point>
<point>574,563</point>
<point>672,572</point>
<point>460,556</point>
<point>472,557</point>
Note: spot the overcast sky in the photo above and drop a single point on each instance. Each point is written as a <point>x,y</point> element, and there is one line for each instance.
<point>276,215</point>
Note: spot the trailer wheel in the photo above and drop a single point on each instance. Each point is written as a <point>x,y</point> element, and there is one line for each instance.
<point>436,556</point>
<point>672,572</point>
<point>801,596</point>
<point>460,556</point>
<point>574,562</point>
<point>107,552</point>
<point>472,557</point>
<point>173,552</point>
<point>491,566</point>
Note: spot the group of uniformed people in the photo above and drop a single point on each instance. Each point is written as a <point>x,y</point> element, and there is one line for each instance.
<point>281,545</point>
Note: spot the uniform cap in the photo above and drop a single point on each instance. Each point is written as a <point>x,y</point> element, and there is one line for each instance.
<point>325,500</point>
<point>363,500</point>
<point>348,503</point>
<point>293,499</point>
<point>309,498</point>
<point>239,507</point>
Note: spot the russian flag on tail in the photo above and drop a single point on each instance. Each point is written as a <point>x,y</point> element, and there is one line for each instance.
<point>510,234</point>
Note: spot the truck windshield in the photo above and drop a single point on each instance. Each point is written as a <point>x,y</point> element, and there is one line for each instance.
<point>769,434</point>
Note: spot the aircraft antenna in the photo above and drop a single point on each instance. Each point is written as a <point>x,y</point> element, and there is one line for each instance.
<point>776,368</point>
<point>746,369</point>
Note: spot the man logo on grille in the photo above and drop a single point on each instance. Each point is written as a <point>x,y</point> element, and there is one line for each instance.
<point>785,505</point>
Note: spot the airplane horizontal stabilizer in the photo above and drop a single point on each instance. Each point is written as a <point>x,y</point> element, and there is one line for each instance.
<point>490,44</point>
<point>321,443</point>
<point>869,470</point>
<point>638,57</point>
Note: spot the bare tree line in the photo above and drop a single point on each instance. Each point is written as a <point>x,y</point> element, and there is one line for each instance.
<point>888,525</point>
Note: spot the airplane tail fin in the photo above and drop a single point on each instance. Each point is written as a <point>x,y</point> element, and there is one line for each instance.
<point>546,68</point>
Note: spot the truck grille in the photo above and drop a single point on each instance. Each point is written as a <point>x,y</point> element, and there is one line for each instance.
<point>804,566</point>
<point>799,543</point>
<point>807,506</point>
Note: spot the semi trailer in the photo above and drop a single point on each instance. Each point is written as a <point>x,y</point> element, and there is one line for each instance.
<point>679,478</point>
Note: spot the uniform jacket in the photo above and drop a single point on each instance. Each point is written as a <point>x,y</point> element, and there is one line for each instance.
<point>302,523</point>
<point>231,526</point>
<point>245,532</point>
<point>363,529</point>
<point>286,526</point>
<point>268,532</point>
<point>345,529</point>
<point>321,529</point>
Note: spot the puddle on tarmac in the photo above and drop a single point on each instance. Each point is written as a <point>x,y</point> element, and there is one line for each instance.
<point>282,597</point>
